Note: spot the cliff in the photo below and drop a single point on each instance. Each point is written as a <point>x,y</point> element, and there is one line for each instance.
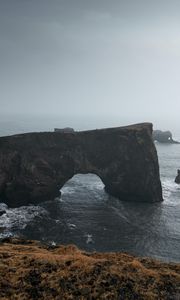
<point>29,270</point>
<point>35,166</point>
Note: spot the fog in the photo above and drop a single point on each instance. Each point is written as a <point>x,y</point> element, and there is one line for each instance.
<point>108,63</point>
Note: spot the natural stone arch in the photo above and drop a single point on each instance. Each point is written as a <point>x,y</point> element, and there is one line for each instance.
<point>35,166</point>
<point>163,137</point>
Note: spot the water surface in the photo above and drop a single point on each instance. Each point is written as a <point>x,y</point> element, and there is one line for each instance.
<point>88,217</point>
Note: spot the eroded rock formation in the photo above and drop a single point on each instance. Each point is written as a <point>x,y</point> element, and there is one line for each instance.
<point>163,137</point>
<point>177,179</point>
<point>35,166</point>
<point>64,130</point>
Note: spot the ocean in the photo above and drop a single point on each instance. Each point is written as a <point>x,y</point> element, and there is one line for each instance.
<point>87,216</point>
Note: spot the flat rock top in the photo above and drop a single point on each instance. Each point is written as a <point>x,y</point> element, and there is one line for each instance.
<point>133,127</point>
<point>29,270</point>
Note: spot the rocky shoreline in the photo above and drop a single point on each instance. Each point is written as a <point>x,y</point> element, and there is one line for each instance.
<point>30,270</point>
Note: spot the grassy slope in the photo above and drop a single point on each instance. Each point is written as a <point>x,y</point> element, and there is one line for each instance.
<point>29,270</point>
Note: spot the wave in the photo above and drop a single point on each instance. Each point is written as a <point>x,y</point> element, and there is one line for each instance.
<point>15,219</point>
<point>171,190</point>
<point>67,190</point>
<point>89,239</point>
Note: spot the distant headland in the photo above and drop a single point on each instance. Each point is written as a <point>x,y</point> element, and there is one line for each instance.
<point>164,137</point>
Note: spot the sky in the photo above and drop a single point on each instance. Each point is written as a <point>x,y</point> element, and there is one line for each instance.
<point>115,60</point>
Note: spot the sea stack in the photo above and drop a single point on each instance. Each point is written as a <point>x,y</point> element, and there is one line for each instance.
<point>35,166</point>
<point>177,179</point>
<point>164,137</point>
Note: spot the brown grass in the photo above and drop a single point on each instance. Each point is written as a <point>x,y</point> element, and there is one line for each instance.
<point>29,270</point>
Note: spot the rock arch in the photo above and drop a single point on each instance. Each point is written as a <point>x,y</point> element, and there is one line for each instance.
<point>164,137</point>
<point>35,166</point>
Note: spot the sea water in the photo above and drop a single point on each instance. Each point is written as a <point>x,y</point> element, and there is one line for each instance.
<point>87,216</point>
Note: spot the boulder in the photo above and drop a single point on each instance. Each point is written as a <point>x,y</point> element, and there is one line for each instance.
<point>177,179</point>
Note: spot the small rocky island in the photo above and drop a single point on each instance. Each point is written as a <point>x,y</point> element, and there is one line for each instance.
<point>35,166</point>
<point>177,179</point>
<point>164,137</point>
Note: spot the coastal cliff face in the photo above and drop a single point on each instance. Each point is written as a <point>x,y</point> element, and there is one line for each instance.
<point>35,166</point>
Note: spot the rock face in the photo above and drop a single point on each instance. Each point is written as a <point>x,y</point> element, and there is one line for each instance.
<point>35,166</point>
<point>2,212</point>
<point>177,179</point>
<point>163,137</point>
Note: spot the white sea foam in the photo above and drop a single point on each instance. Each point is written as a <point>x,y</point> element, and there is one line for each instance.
<point>88,181</point>
<point>3,206</point>
<point>67,190</point>
<point>171,191</point>
<point>71,226</point>
<point>89,239</point>
<point>58,221</point>
<point>169,184</point>
<point>53,243</point>
<point>18,218</point>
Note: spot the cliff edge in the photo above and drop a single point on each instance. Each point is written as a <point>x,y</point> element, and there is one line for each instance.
<point>29,270</point>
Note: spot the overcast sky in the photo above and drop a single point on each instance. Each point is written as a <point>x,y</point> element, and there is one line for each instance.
<point>112,58</point>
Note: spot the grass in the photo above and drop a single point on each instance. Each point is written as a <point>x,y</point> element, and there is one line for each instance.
<point>29,270</point>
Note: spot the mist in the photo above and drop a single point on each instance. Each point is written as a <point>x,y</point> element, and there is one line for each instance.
<point>90,63</point>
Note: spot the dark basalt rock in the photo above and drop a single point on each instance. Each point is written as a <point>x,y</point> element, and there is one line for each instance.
<point>177,179</point>
<point>35,166</point>
<point>164,137</point>
<point>64,130</point>
<point>2,212</point>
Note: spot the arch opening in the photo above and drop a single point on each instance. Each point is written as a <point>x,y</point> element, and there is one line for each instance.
<point>82,183</point>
